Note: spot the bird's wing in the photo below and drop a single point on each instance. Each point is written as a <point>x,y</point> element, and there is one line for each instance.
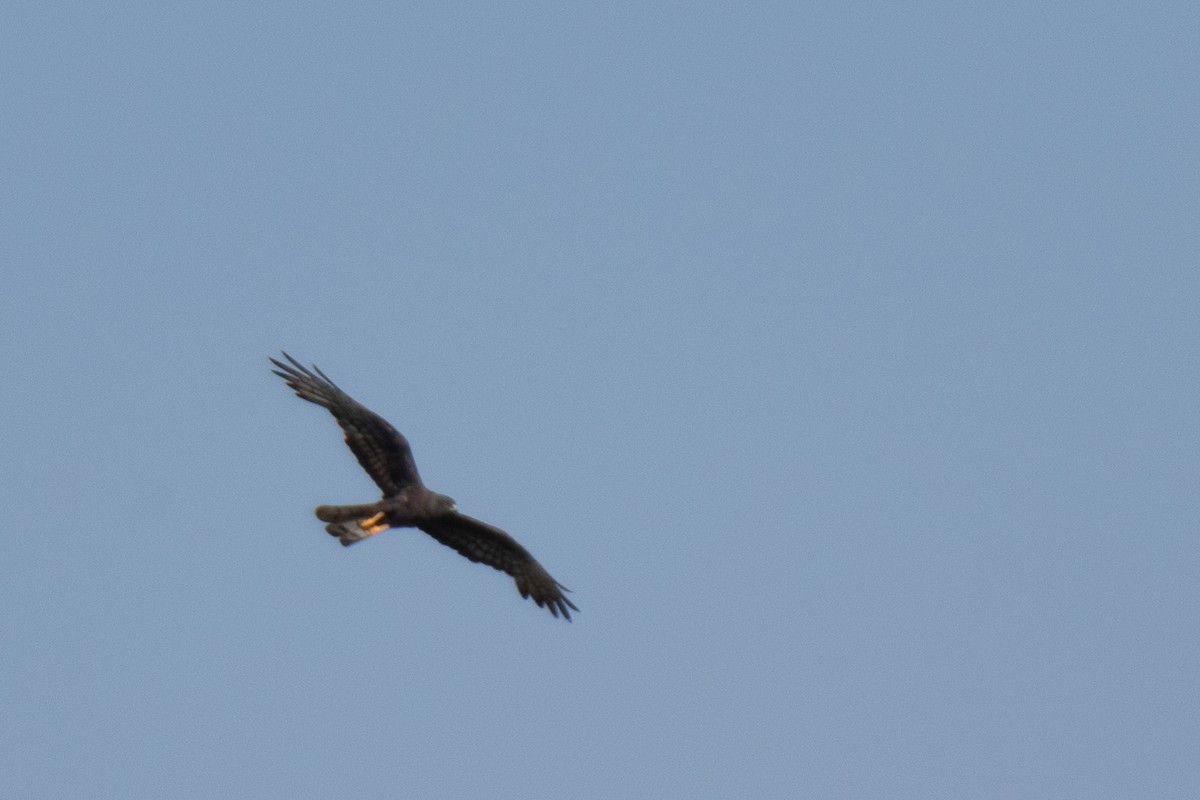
<point>381,449</point>
<point>487,544</point>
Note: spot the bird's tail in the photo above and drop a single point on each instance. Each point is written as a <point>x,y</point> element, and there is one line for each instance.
<point>348,532</point>
<point>352,524</point>
<point>347,513</point>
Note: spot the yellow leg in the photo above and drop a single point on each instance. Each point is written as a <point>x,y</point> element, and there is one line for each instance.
<point>373,525</point>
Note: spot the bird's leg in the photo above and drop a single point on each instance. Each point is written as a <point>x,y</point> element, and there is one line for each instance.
<point>373,525</point>
<point>370,521</point>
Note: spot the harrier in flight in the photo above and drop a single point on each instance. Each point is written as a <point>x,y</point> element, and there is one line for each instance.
<point>384,453</point>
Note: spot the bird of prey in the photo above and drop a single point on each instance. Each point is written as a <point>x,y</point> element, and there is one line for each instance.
<point>384,453</point>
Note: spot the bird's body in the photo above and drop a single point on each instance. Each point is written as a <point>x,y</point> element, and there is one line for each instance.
<point>407,503</point>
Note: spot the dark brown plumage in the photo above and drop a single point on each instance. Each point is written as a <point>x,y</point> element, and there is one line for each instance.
<point>384,453</point>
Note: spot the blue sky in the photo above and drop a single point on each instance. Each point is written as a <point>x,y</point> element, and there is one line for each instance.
<point>841,358</point>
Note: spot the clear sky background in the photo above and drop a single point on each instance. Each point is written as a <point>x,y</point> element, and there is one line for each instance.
<point>842,359</point>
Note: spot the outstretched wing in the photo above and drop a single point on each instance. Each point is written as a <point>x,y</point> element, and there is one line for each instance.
<point>381,449</point>
<point>489,545</point>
